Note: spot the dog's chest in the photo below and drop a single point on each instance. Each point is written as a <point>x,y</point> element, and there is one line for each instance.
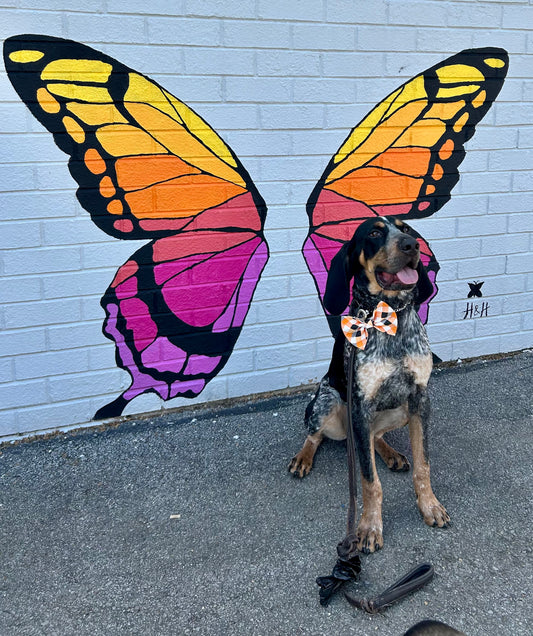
<point>390,368</point>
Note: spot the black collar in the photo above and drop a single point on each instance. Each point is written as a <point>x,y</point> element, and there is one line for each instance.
<point>363,300</point>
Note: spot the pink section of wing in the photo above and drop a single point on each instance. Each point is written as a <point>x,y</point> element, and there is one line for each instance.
<point>139,322</point>
<point>397,209</point>
<point>331,207</point>
<point>198,364</point>
<point>201,294</point>
<point>162,355</point>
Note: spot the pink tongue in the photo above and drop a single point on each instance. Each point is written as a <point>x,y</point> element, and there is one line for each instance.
<point>407,276</point>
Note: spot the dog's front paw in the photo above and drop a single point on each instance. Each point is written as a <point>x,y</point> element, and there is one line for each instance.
<point>433,511</point>
<point>369,536</point>
<point>301,464</point>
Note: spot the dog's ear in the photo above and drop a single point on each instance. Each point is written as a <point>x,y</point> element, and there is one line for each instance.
<point>424,287</point>
<point>342,270</point>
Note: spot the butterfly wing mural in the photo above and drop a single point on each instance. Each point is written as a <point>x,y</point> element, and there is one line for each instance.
<point>402,159</point>
<point>148,167</point>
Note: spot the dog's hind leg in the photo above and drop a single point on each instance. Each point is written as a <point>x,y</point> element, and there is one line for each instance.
<point>392,458</point>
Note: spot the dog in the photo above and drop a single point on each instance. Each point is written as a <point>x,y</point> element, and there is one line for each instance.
<point>390,372</point>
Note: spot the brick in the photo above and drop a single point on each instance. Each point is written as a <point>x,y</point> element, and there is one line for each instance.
<point>250,143</point>
<point>456,248</point>
<point>230,116</point>
<point>480,347</point>
<point>516,341</point>
<point>258,90</point>
<point>21,341</point>
<point>474,226</point>
<point>513,114</point>
<point>220,8</point>
<point>20,289</point>
<point>22,205</point>
<point>480,182</point>
<point>54,416</point>
<point>6,370</point>
<point>353,64</point>
<point>169,30</point>
<point>306,374</point>
<point>17,394</point>
<point>504,285</point>
<point>30,261</point>
<point>270,357</point>
<point>39,365</point>
<point>479,267</point>
<point>272,168</point>
<point>310,10</point>
<point>504,244</point>
<point>241,361</point>
<point>288,63</point>
<point>356,11</point>
<point>21,234</point>
<point>442,39</point>
<point>77,284</point>
<point>207,61</point>
<point>408,65</point>
<point>81,385</point>
<point>474,15</point>
<point>105,28</point>
<point>251,335</point>
<point>31,21</point>
<point>519,263</point>
<point>525,137</point>
<point>253,34</point>
<point>19,315</point>
<point>8,424</point>
<point>450,331</point>
<point>511,41</point>
<point>521,222</point>
<point>418,13</point>
<point>301,307</point>
<point>522,181</point>
<point>375,38</point>
<point>517,304</point>
<point>443,350</point>
<point>139,6</point>
<point>324,90</point>
<point>191,89</point>
<point>509,203</point>
<point>324,37</point>
<point>75,336</point>
<point>258,382</point>
<point>17,177</point>
<point>516,17</point>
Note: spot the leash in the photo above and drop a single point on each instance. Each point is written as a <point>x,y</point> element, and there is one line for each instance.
<point>348,565</point>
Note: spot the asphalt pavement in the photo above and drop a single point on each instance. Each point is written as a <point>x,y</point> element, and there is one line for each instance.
<point>189,523</point>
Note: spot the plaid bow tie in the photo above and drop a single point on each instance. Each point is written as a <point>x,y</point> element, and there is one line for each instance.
<point>383,319</point>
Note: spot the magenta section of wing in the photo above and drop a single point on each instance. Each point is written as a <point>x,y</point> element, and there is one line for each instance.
<point>333,221</point>
<point>175,322</point>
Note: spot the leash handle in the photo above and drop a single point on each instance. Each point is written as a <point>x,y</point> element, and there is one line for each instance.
<point>412,581</point>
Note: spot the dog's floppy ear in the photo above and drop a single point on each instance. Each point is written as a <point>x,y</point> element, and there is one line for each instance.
<point>341,272</point>
<point>424,287</point>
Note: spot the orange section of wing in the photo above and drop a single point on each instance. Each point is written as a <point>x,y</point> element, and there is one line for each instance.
<point>375,186</point>
<point>409,161</point>
<point>134,173</point>
<point>184,196</point>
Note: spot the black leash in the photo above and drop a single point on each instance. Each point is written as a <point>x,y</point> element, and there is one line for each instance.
<point>348,565</point>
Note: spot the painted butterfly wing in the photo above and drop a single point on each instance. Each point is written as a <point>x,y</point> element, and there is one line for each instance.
<point>149,167</point>
<point>402,159</point>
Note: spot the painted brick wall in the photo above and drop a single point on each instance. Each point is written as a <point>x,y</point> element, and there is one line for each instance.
<point>283,82</point>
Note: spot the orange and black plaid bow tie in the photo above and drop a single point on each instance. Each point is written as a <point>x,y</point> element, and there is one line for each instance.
<point>383,319</point>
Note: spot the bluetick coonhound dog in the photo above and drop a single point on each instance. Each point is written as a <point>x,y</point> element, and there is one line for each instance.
<point>390,374</point>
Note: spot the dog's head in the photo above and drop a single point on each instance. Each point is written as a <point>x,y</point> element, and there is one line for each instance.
<point>383,256</point>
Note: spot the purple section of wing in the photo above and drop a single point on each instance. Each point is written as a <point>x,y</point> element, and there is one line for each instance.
<point>174,337</point>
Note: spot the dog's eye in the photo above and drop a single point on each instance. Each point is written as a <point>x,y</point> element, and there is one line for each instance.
<point>375,234</point>
<point>405,229</point>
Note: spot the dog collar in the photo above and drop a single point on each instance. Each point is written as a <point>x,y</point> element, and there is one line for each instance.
<point>356,327</point>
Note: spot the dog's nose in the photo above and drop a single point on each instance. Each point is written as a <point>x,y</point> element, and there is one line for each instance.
<point>408,244</point>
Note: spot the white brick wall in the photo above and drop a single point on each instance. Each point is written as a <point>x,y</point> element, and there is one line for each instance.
<point>283,82</point>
